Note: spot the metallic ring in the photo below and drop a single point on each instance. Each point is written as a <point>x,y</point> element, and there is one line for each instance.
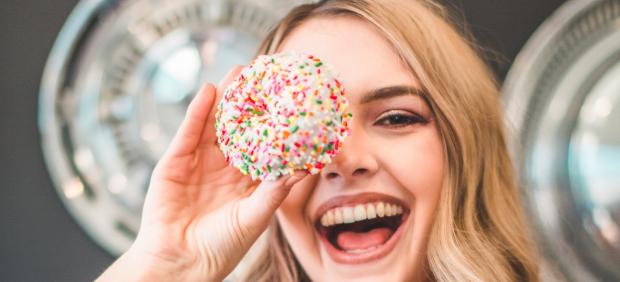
<point>116,87</point>
<point>561,98</point>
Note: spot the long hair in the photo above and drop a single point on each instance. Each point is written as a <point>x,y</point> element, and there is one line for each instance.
<point>480,232</point>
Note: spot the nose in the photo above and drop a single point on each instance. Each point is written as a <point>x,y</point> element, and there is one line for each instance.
<point>354,161</point>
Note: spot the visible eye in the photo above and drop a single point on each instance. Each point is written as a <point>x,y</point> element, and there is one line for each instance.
<point>399,119</point>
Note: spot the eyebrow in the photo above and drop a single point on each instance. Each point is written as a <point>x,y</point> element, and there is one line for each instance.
<point>391,92</point>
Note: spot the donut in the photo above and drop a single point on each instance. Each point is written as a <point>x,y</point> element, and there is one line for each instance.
<point>284,112</point>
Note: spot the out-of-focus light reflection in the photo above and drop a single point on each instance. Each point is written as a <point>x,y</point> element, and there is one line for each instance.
<point>602,107</point>
<point>117,183</point>
<point>609,230</point>
<point>600,169</point>
<point>150,132</point>
<point>84,158</point>
<point>209,49</point>
<point>177,75</point>
<point>73,188</point>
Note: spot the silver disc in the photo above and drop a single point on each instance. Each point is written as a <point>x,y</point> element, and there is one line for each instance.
<point>116,87</point>
<point>562,98</point>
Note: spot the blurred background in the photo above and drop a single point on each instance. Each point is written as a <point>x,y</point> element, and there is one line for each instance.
<point>77,141</point>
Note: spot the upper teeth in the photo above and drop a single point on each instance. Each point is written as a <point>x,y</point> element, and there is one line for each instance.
<point>359,212</point>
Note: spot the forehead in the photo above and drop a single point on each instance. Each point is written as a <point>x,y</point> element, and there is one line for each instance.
<point>362,57</point>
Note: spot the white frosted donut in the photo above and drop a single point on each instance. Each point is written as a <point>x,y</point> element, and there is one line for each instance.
<point>284,112</point>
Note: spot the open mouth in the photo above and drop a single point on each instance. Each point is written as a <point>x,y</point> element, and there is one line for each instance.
<point>360,233</point>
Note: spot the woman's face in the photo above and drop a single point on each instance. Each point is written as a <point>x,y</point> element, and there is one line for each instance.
<point>393,157</point>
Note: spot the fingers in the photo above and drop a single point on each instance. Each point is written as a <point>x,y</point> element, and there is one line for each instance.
<point>209,134</point>
<point>256,210</point>
<point>189,133</point>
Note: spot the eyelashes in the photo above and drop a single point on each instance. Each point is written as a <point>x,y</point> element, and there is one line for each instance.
<point>399,119</point>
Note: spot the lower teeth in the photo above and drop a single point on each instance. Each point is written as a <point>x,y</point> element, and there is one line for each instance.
<point>360,251</point>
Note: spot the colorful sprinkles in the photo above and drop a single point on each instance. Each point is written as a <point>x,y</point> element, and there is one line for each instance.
<point>284,112</point>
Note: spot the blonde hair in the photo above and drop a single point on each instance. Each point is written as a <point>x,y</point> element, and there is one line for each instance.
<point>480,232</point>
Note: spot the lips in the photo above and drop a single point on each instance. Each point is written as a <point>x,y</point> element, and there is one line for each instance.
<point>360,228</point>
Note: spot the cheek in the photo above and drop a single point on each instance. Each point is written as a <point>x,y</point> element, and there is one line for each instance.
<point>297,199</point>
<point>296,227</point>
<point>291,213</point>
<point>416,162</point>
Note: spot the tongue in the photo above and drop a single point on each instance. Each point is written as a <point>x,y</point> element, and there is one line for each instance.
<point>349,240</point>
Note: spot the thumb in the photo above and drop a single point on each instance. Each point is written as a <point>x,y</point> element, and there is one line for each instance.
<point>256,211</point>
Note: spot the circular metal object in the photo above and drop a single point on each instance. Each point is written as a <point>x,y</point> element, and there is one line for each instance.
<point>116,87</point>
<point>562,98</point>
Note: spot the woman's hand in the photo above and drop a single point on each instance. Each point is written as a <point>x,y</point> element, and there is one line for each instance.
<point>200,215</point>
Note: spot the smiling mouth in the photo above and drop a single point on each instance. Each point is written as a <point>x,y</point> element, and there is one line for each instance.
<point>362,232</point>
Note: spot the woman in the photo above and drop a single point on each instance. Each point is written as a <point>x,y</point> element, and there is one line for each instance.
<point>427,141</point>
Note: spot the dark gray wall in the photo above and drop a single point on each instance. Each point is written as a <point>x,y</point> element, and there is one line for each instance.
<point>39,241</point>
